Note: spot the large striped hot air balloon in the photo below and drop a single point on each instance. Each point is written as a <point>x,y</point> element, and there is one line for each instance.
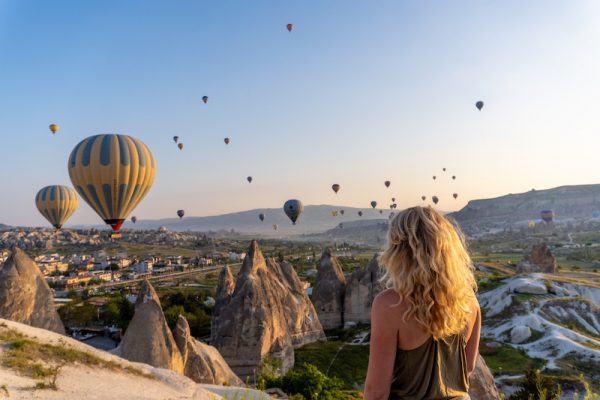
<point>112,173</point>
<point>56,203</point>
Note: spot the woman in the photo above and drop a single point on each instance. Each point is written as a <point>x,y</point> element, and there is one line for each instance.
<point>425,327</point>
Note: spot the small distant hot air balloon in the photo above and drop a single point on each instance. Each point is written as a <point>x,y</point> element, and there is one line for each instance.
<point>391,206</point>
<point>180,213</point>
<point>479,105</point>
<point>112,173</point>
<point>391,215</point>
<point>334,213</point>
<point>134,219</point>
<point>434,177</point>
<point>395,205</point>
<point>435,199</point>
<point>455,195</point>
<point>360,213</point>
<point>453,177</point>
<point>56,203</point>
<point>261,216</point>
<point>423,198</point>
<point>531,224</point>
<point>380,211</point>
<point>373,204</point>
<point>290,27</point>
<point>54,128</point>
<point>444,169</point>
<point>275,227</point>
<point>547,215</point>
<point>249,179</point>
<point>393,199</point>
<point>387,184</point>
<point>227,140</point>
<point>176,139</point>
<point>180,145</point>
<point>342,212</point>
<point>335,187</point>
<point>205,99</point>
<point>293,209</point>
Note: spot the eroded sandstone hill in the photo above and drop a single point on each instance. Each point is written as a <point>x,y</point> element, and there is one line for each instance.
<point>267,315</point>
<point>25,296</point>
<point>328,292</point>
<point>362,287</point>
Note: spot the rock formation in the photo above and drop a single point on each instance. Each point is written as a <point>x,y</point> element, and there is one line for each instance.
<point>329,290</point>
<point>225,289</point>
<point>539,260</point>
<point>361,289</point>
<point>25,296</point>
<point>267,315</point>
<point>481,383</point>
<point>148,338</point>
<point>202,363</point>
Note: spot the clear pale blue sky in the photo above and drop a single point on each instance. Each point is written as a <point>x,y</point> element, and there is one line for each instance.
<point>360,92</point>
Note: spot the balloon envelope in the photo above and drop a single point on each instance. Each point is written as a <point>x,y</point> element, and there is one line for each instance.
<point>435,199</point>
<point>423,198</point>
<point>547,215</point>
<point>373,204</point>
<point>205,99</point>
<point>249,179</point>
<point>387,184</point>
<point>453,177</point>
<point>180,145</point>
<point>360,213</point>
<point>134,219</point>
<point>335,187</point>
<point>227,140</point>
<point>275,226</point>
<point>342,212</point>
<point>112,173</point>
<point>261,216</point>
<point>290,27</point>
<point>455,195</point>
<point>175,139</point>
<point>293,209</point>
<point>54,128</point>
<point>56,203</point>
<point>479,105</point>
<point>180,213</point>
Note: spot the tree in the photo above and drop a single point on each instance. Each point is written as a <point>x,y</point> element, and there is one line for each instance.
<point>536,386</point>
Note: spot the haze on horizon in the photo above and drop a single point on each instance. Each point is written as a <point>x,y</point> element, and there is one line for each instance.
<point>357,94</point>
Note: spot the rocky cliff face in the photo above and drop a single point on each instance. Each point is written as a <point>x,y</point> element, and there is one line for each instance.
<point>267,315</point>
<point>202,363</point>
<point>540,260</point>
<point>25,296</point>
<point>329,290</point>
<point>361,289</point>
<point>148,338</point>
<point>481,383</point>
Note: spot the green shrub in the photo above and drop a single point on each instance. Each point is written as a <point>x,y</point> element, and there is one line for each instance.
<point>536,386</point>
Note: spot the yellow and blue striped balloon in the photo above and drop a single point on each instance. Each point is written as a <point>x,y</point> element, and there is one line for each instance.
<point>112,173</point>
<point>56,203</point>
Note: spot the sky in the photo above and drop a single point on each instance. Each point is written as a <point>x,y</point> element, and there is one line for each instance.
<point>360,92</point>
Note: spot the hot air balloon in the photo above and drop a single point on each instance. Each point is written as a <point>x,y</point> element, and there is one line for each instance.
<point>205,99</point>
<point>423,198</point>
<point>342,212</point>
<point>112,173</point>
<point>180,145</point>
<point>391,215</point>
<point>54,128</point>
<point>261,216</point>
<point>435,199</point>
<point>373,204</point>
<point>176,139</point>
<point>56,203</point>
<point>531,224</point>
<point>393,199</point>
<point>180,213</point>
<point>360,213</point>
<point>335,187</point>
<point>391,206</point>
<point>249,179</point>
<point>444,169</point>
<point>434,177</point>
<point>334,213</point>
<point>134,219</point>
<point>293,208</point>
<point>380,211</point>
<point>387,184</point>
<point>227,140</point>
<point>290,27</point>
<point>479,105</point>
<point>455,195</point>
<point>453,177</point>
<point>547,215</point>
<point>395,205</point>
<point>275,227</point>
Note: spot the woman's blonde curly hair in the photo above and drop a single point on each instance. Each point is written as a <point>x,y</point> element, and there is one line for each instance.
<point>427,264</point>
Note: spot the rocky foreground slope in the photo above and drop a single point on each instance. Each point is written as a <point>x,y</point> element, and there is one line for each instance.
<point>71,370</point>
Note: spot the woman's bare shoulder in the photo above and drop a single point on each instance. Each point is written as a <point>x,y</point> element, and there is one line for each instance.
<point>385,300</point>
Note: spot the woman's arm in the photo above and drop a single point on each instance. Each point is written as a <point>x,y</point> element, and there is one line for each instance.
<point>384,341</point>
<point>473,340</point>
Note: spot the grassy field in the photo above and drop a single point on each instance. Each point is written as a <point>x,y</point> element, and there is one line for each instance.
<point>350,364</point>
<point>508,360</point>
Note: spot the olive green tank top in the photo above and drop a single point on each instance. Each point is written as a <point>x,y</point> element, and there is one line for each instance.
<point>436,370</point>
